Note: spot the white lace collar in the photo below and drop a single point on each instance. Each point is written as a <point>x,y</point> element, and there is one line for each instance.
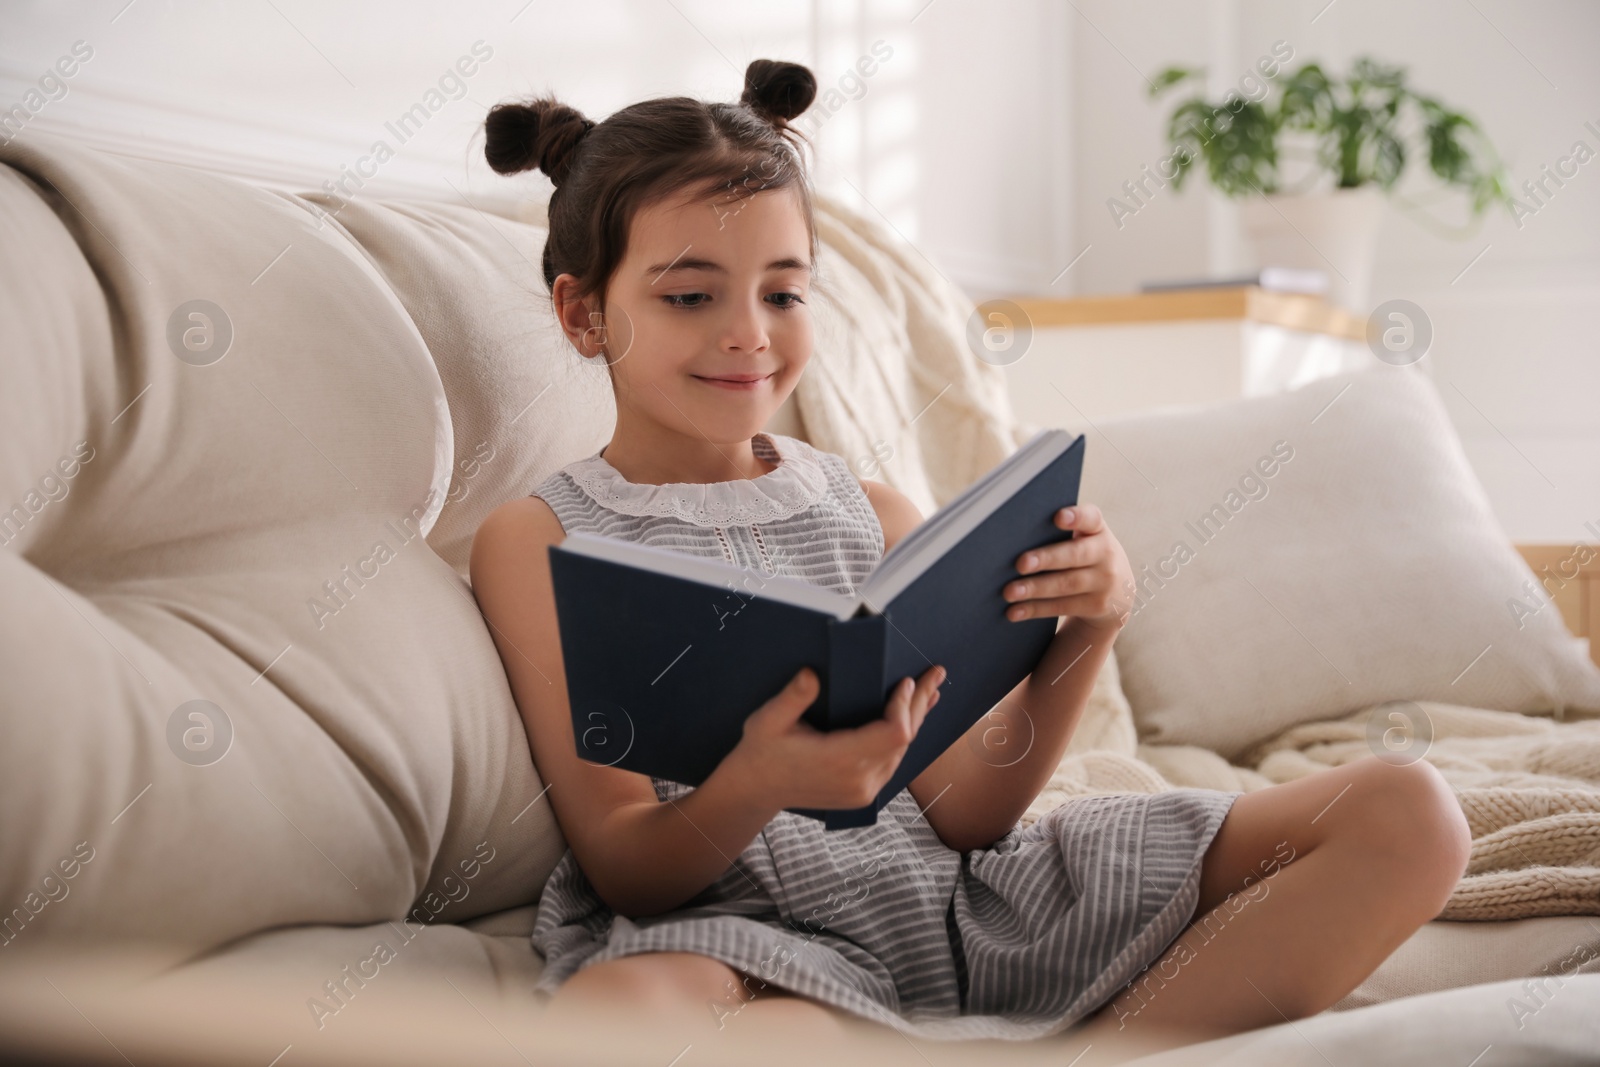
<point>797,483</point>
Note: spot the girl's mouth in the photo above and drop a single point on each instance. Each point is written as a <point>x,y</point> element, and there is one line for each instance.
<point>737,385</point>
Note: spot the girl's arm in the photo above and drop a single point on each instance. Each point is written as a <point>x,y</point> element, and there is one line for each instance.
<point>643,857</point>
<point>979,787</point>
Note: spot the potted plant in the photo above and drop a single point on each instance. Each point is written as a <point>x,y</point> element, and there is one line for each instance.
<point>1314,164</point>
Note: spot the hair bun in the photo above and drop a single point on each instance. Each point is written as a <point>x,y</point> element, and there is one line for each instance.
<point>776,90</point>
<point>541,133</point>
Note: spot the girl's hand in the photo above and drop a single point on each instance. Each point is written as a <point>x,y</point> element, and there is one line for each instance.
<point>1086,577</point>
<point>795,765</point>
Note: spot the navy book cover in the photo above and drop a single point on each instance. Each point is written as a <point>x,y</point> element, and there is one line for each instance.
<point>662,669</point>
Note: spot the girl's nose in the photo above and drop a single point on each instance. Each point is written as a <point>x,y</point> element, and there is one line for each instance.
<point>746,329</point>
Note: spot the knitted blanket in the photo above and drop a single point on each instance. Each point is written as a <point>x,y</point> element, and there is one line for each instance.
<point>895,389</point>
<point>1530,788</point>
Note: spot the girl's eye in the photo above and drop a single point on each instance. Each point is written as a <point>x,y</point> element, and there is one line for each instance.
<point>676,300</point>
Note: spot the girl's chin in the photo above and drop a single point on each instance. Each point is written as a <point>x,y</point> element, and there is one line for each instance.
<point>722,415</point>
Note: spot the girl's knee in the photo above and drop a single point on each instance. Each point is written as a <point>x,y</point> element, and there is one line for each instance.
<point>778,1008</point>
<point>1410,820</point>
<point>651,981</point>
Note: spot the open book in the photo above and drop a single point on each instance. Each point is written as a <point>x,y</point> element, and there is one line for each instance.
<point>666,653</point>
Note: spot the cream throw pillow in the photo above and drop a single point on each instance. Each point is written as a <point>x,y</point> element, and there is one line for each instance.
<point>1309,553</point>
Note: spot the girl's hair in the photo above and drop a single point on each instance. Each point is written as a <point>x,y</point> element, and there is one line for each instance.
<point>604,173</point>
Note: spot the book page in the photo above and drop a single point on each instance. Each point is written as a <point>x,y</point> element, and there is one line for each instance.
<point>945,528</point>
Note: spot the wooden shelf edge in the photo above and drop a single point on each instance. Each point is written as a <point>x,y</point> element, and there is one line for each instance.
<point>1293,311</point>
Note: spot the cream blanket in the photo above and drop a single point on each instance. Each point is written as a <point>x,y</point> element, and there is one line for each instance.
<point>895,390</point>
<point>1530,788</point>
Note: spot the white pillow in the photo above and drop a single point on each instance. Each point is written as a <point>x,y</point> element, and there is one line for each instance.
<point>1350,558</point>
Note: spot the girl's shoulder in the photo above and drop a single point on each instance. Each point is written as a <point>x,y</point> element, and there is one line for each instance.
<point>508,541</point>
<point>897,513</point>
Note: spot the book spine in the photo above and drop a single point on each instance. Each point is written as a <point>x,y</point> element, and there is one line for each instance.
<point>856,650</point>
<point>856,653</point>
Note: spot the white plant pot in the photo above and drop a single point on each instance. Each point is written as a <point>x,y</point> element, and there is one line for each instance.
<point>1335,232</point>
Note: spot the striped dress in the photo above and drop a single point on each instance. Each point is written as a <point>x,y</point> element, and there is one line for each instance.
<point>1014,941</point>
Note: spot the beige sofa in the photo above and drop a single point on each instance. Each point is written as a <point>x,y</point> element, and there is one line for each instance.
<point>266,792</point>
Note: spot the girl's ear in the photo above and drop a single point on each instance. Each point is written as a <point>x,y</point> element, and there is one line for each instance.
<point>578,320</point>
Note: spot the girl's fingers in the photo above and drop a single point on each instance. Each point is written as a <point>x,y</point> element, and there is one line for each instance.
<point>908,705</point>
<point>927,707</point>
<point>932,679</point>
<point>912,708</point>
<point>1059,555</point>
<point>791,701</point>
<point>1087,604</point>
<point>1050,583</point>
<point>898,718</point>
<point>1083,518</point>
<point>908,709</point>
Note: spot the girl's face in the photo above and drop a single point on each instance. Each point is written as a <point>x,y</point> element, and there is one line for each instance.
<point>711,290</point>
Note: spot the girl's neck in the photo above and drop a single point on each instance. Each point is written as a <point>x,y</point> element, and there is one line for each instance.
<point>658,455</point>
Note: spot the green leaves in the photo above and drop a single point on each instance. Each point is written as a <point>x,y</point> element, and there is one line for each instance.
<point>1239,146</point>
<point>1170,77</point>
<point>1360,127</point>
<point>1307,101</point>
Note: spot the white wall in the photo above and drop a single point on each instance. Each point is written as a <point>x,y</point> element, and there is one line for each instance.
<point>302,89</point>
<point>958,136</point>
<point>991,137</point>
<point>1516,353</point>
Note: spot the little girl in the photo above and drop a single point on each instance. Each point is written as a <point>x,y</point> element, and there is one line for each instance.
<point>681,258</point>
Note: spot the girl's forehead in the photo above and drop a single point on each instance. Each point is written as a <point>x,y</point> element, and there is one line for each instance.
<point>716,226</point>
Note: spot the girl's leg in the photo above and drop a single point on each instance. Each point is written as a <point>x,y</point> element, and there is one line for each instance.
<point>690,994</point>
<point>1307,887</point>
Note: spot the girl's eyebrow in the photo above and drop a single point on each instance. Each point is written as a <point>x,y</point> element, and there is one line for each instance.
<point>691,263</point>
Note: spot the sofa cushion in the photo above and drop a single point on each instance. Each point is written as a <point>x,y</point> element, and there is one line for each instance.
<point>1310,553</point>
<point>523,403</point>
<point>240,691</point>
